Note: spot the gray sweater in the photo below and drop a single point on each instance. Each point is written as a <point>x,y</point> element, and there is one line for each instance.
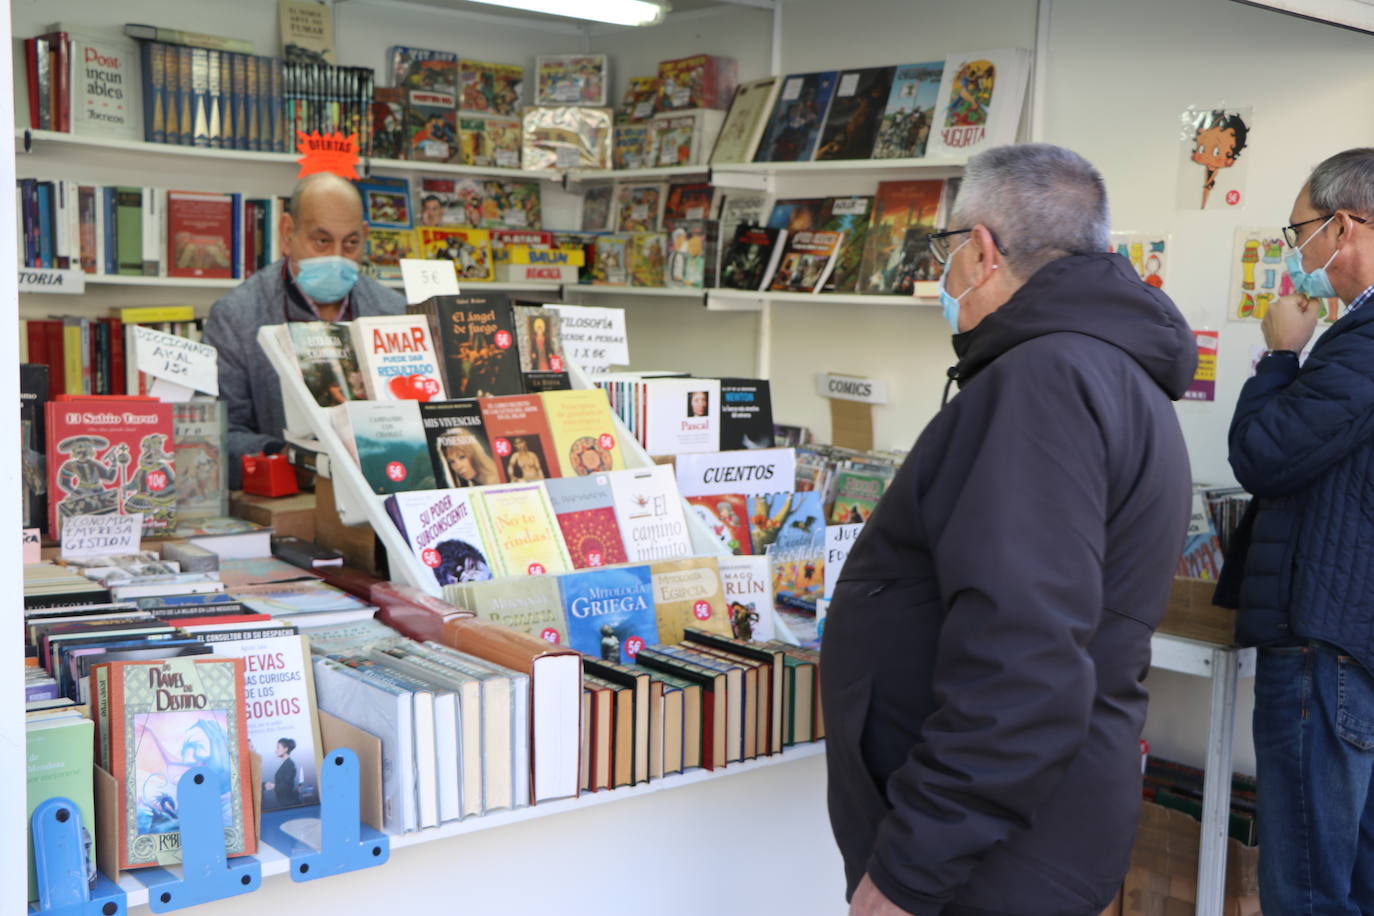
<point>247,381</point>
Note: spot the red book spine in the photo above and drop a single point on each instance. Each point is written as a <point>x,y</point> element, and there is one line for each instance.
<point>57,363</point>
<point>117,368</point>
<point>38,344</point>
<point>61,45</point>
<point>31,67</point>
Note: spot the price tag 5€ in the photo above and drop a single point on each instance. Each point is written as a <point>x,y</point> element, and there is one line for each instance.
<point>426,279</point>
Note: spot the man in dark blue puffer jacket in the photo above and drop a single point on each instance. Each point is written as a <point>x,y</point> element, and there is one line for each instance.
<point>1302,441</point>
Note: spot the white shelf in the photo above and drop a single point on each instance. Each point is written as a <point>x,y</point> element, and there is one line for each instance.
<point>745,300</point>
<point>662,292</point>
<point>474,285</point>
<point>666,171</point>
<point>171,282</point>
<point>929,168</point>
<point>274,863</point>
<point>1190,656</point>
<point>41,137</point>
<point>443,168</point>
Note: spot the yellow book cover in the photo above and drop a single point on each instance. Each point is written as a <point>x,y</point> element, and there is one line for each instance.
<point>688,593</point>
<point>73,356</point>
<point>468,249</point>
<point>583,432</point>
<point>544,257</point>
<point>524,530</point>
<point>156,313</point>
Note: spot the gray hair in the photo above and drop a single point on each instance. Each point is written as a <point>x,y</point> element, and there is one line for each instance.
<point>1344,182</point>
<point>318,181</point>
<point>1041,201</point>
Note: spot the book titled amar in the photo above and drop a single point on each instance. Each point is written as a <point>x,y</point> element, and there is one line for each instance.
<point>475,338</point>
<point>397,358</point>
<point>520,438</point>
<point>525,536</point>
<point>164,718</point>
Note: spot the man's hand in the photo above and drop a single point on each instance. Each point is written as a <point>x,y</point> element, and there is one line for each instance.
<point>869,901</point>
<point>1289,323</point>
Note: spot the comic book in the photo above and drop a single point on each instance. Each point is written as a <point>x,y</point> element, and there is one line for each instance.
<point>468,249</point>
<point>797,214</point>
<point>388,123</point>
<point>639,206</point>
<point>909,112</point>
<point>431,133</point>
<point>808,261</point>
<point>692,253</point>
<point>486,88</point>
<point>689,200</point>
<point>635,146</point>
<point>386,202</point>
<point>898,206</point>
<point>571,79</point>
<point>640,99</point>
<point>567,137</point>
<point>596,208</point>
<point>851,125</point>
<point>794,127</point>
<point>700,81</point>
<point>647,257</point>
<point>611,266</point>
<point>745,122</point>
<point>980,102</point>
<point>385,249</point>
<point>849,215</point>
<point>429,72</point>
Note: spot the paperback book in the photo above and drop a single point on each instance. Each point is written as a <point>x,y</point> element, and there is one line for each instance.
<point>324,350</point>
<point>520,438</point>
<point>751,258</point>
<point>571,79</point>
<point>476,340</point>
<point>458,445</point>
<point>649,511</point>
<point>635,146</point>
<point>639,206</point>
<point>746,414</point>
<point>849,215</point>
<point>527,604</point>
<point>851,126</point>
<point>446,532</point>
<point>745,122</point>
<point>980,101</point>
<point>468,249</point>
<point>647,258</point>
<point>898,207</point>
<point>385,250</point>
<point>610,612</point>
<point>688,593</point>
<point>583,432</point>
<point>909,112</point>
<point>387,440</point>
<point>489,88</point>
<point>794,126</point>
<point>585,508</point>
<point>524,530</point>
<point>396,357</point>
<point>693,245</point>
<point>611,266</point>
<point>808,261</point>
<point>596,208</point>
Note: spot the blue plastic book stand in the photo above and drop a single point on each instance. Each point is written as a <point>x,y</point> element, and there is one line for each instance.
<point>206,873</point>
<point>59,858</point>
<point>346,844</point>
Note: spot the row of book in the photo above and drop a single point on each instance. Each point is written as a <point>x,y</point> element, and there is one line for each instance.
<point>95,355</point>
<point>146,232</point>
<point>676,414</point>
<point>849,481</point>
<point>1216,515</point>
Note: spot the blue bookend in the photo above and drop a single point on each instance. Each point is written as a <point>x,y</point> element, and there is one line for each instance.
<point>206,874</point>
<point>59,858</point>
<point>345,843</point>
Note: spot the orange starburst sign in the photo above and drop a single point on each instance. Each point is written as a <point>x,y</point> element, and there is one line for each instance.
<point>331,152</point>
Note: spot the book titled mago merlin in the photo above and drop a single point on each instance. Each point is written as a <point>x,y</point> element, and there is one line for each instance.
<point>165,718</point>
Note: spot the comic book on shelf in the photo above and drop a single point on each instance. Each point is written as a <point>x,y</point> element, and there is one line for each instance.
<point>639,206</point>
<point>424,71</point>
<point>807,261</point>
<point>488,88</point>
<point>571,79</point>
<point>468,249</point>
<point>745,122</point>
<point>797,214</point>
<point>910,111</point>
<point>388,123</point>
<point>385,248</point>
<point>431,133</point>
<point>635,146</point>
<point>700,81</point>
<point>611,265</point>
<point>849,215</point>
<point>851,125</point>
<point>898,207</point>
<point>794,126</point>
<point>648,258</point>
<point>640,99</point>
<point>567,137</point>
<point>980,102</point>
<point>692,252</point>
<point>386,202</point>
<point>448,201</point>
<point>596,208</point>
<point>689,200</point>
<point>752,255</point>
<point>511,203</point>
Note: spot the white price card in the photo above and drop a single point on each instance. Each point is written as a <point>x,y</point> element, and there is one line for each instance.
<point>33,546</point>
<point>751,472</point>
<point>101,535</point>
<point>44,280</point>
<point>426,279</point>
<point>594,338</point>
<point>176,359</point>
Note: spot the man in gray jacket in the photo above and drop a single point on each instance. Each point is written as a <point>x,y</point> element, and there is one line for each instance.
<point>322,235</point>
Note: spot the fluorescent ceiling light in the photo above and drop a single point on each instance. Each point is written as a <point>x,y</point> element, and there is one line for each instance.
<point>616,12</point>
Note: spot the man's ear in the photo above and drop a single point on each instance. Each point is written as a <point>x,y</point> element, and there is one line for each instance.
<point>988,255</point>
<point>286,227</point>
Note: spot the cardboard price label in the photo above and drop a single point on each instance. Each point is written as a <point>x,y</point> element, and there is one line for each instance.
<point>101,535</point>
<point>426,279</point>
<point>176,359</point>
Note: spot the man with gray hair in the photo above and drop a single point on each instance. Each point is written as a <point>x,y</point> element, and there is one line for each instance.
<point>985,648</point>
<point>322,238</point>
<point>1302,442</point>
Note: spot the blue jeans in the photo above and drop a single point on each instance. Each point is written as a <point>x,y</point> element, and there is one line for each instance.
<point>1314,751</point>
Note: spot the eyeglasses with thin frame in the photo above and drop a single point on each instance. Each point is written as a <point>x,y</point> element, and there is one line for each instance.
<point>1290,232</point>
<point>938,243</point>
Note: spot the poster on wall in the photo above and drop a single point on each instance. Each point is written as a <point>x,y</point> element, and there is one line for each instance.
<point>1258,277</point>
<point>1213,161</point>
<point>1204,385</point>
<point>1148,253</point>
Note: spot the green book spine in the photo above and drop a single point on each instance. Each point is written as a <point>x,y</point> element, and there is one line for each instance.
<point>129,230</point>
<point>59,763</point>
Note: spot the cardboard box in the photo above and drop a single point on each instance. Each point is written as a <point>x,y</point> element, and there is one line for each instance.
<point>357,543</point>
<point>285,515</point>
<point>1191,613</point>
<point>1163,876</point>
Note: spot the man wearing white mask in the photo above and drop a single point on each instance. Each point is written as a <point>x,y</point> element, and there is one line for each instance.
<point>1302,441</point>
<point>322,239</point>
<point>990,631</point>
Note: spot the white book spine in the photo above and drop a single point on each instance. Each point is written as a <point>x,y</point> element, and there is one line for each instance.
<point>152,212</point>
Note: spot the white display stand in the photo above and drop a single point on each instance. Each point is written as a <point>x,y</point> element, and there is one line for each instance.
<point>358,505</point>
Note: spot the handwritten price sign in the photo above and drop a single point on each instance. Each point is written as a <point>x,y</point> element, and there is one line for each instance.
<point>101,535</point>
<point>176,359</point>
<point>426,279</point>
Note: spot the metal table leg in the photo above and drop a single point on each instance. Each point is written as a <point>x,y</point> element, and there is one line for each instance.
<point>1216,787</point>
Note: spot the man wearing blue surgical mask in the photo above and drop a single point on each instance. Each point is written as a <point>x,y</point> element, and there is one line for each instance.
<point>1302,441</point>
<point>317,279</point>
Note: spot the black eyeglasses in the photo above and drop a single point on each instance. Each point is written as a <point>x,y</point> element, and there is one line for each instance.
<point>938,243</point>
<point>1290,232</point>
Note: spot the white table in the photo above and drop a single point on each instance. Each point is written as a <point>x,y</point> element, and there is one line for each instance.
<point>1225,665</point>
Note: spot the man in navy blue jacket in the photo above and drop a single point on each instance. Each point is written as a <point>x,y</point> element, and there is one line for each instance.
<point>1302,441</point>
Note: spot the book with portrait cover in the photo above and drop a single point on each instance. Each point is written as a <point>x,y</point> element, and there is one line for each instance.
<point>751,257</point>
<point>610,612</point>
<point>688,593</point>
<point>397,358</point>
<point>585,508</point>
<point>520,438</point>
<point>808,261</point>
<point>639,206</point>
<point>458,445</point>
<point>448,201</point>
<point>897,207</point>
<point>746,414</point>
<point>848,215</point>
<point>745,122</point>
<point>447,533</point>
<point>851,125</point>
<point>109,454</point>
<point>583,431</point>
<point>909,112</point>
<point>468,249</point>
<point>387,440</point>
<point>648,254</point>
<point>540,340</point>
<point>329,365</point>
<point>475,338</point>
<point>980,102</point>
<point>165,717</point>
<point>649,510</point>
<point>525,536</point>
<point>682,415</point>
<point>200,429</point>
<point>794,126</point>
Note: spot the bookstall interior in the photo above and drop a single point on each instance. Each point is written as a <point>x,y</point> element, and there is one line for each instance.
<point>757,836</point>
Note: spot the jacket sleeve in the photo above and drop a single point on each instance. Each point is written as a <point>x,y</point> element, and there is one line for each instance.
<point>235,385</point>
<point>1292,425</point>
<point>1019,564</point>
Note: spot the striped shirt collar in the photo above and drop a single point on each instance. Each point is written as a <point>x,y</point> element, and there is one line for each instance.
<point>1360,300</point>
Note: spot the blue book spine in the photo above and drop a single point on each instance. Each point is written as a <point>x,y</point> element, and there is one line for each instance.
<point>29,198</point>
<point>238,236</point>
<point>111,252</point>
<point>45,224</point>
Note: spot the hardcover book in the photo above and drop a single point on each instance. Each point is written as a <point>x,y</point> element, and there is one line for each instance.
<point>678,139</point>
<point>639,207</point>
<point>583,432</point>
<point>749,208</point>
<point>513,204</point>
<point>489,88</point>
<point>328,362</point>
<point>387,440</point>
<point>610,612</point>
<point>648,255</point>
<point>166,717</point>
<point>849,215</point>
<point>468,249</point>
<point>745,122</point>
<point>111,455</point>
<point>909,112</point>
<point>397,358</point>
<point>33,395</point>
<point>980,102</point>
<point>851,126</point>
<point>688,593</point>
<point>689,200</point>
<point>448,201</point>
<point>527,604</point>
<point>475,338</point>
<point>524,530</point>
<point>571,79</point>
<point>447,533</point>
<point>585,509</point>
<point>200,431</point>
<point>105,96</point>
<point>385,250</point>
<point>458,445</point>
<point>431,133</point>
<point>897,207</point>
<point>746,414</point>
<point>200,235</point>
<point>388,123</point>
<point>490,142</point>
<point>751,257</point>
<point>794,127</point>
<point>520,438</point>
<point>808,261</point>
<point>649,511</point>
<point>307,32</point>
